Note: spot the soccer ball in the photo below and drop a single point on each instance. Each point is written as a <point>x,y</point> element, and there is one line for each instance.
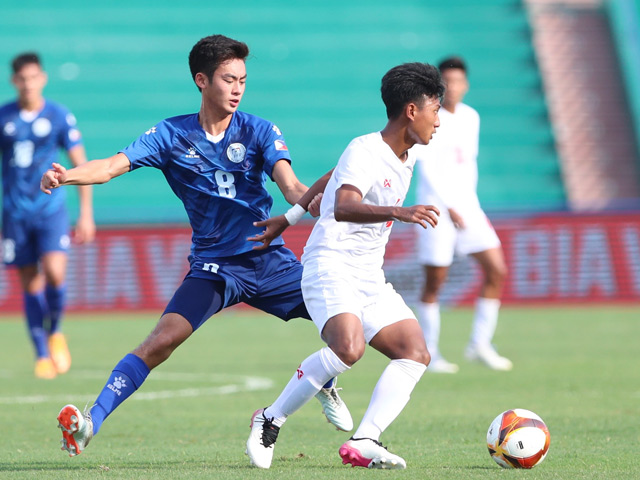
<point>518,438</point>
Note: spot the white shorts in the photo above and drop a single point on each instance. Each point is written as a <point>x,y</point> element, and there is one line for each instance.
<point>437,246</point>
<point>330,291</point>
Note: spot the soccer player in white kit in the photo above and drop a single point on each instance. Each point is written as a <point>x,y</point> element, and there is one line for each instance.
<point>343,283</point>
<point>447,178</point>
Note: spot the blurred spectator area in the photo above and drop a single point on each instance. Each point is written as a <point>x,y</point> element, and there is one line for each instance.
<point>592,113</point>
<point>556,83</point>
<point>315,71</point>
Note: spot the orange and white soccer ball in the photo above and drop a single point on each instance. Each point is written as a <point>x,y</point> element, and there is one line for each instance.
<point>518,438</point>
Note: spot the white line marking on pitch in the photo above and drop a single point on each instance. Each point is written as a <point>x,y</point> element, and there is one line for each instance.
<point>232,384</point>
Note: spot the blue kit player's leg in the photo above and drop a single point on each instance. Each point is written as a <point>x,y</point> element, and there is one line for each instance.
<point>52,237</point>
<point>20,251</point>
<point>279,294</point>
<point>194,302</point>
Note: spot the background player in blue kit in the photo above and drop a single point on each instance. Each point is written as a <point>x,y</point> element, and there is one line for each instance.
<point>216,161</point>
<point>35,230</point>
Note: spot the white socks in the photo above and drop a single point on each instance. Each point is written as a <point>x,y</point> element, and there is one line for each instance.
<point>316,370</point>
<point>390,396</point>
<point>485,321</point>
<point>429,319</point>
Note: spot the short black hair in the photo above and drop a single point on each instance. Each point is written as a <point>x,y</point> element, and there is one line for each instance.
<point>452,62</point>
<point>410,82</point>
<point>207,55</point>
<point>24,59</point>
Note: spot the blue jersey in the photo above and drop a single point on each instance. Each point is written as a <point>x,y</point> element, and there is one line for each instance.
<point>222,185</point>
<point>29,145</point>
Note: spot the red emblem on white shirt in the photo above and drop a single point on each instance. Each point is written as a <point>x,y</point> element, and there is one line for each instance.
<point>387,183</point>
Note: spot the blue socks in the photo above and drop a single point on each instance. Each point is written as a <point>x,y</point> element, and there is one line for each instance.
<point>39,306</point>
<point>127,376</point>
<point>35,309</point>
<point>56,300</point>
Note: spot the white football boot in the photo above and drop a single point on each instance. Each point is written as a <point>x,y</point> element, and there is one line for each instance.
<point>440,365</point>
<point>334,408</point>
<point>261,440</point>
<point>369,453</point>
<point>487,355</point>
<point>77,429</point>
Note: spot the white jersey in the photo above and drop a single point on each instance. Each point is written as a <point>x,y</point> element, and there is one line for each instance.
<point>369,164</point>
<point>448,165</point>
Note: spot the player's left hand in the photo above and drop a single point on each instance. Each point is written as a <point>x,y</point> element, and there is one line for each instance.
<point>85,231</point>
<point>274,227</point>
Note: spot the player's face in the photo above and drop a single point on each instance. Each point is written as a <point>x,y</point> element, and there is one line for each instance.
<point>227,85</point>
<point>457,85</point>
<point>425,121</point>
<point>29,81</point>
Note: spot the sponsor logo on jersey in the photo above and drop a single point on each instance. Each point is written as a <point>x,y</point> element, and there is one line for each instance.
<point>236,152</point>
<point>299,372</point>
<point>150,131</point>
<point>277,130</point>
<point>280,145</point>
<point>10,129</point>
<point>41,127</point>
<point>191,153</point>
<point>387,183</point>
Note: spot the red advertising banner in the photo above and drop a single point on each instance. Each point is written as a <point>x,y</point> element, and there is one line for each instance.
<point>552,259</point>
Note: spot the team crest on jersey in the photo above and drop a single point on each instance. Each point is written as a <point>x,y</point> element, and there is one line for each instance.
<point>10,129</point>
<point>191,153</point>
<point>236,152</point>
<point>41,127</point>
<point>280,145</point>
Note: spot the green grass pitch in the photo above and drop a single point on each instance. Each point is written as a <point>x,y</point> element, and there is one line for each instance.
<point>578,368</point>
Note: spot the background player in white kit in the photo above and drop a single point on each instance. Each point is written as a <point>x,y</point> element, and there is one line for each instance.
<point>448,177</point>
<point>343,283</point>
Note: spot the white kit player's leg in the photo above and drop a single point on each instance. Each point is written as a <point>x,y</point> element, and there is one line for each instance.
<point>390,396</point>
<point>312,374</point>
<point>484,326</point>
<point>429,319</point>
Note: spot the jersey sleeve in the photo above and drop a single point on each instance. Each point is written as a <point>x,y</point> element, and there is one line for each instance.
<point>274,148</point>
<point>150,148</point>
<point>69,135</point>
<point>354,168</point>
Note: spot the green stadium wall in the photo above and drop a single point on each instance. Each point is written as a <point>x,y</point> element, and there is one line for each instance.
<point>315,70</point>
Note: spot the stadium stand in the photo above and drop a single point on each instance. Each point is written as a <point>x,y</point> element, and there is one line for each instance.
<point>315,71</point>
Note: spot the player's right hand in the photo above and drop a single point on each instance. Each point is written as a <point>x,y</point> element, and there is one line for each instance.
<point>274,228</point>
<point>53,178</point>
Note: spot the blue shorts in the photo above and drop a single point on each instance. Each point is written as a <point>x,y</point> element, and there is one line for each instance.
<point>25,240</point>
<point>268,280</point>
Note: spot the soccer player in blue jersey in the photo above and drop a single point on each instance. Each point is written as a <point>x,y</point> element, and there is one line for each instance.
<point>216,161</point>
<point>35,230</point>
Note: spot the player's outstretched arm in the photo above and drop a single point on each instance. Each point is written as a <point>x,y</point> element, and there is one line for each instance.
<point>275,226</point>
<point>90,173</point>
<point>348,207</point>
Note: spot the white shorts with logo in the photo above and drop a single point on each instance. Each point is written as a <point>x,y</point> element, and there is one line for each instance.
<point>438,246</point>
<point>330,289</point>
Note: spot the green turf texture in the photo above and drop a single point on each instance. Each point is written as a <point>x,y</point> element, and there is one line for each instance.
<point>578,368</point>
